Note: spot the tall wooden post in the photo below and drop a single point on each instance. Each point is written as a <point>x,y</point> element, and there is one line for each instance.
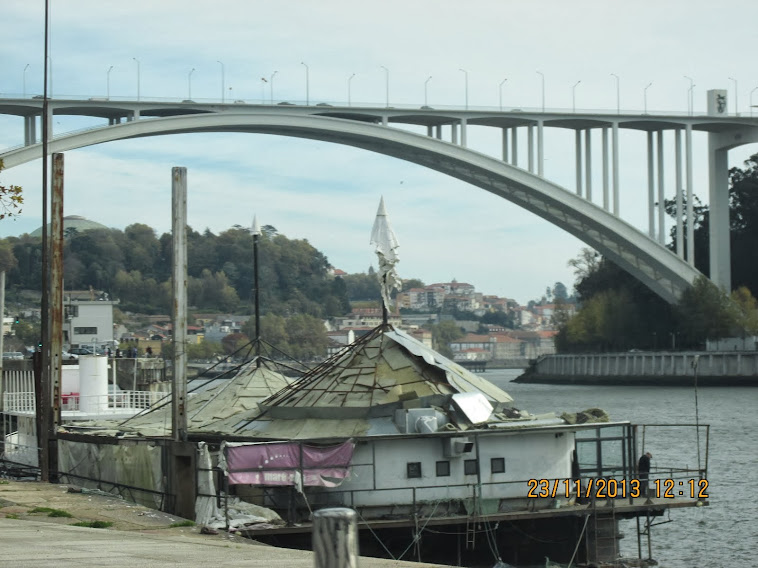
<point>179,232</point>
<point>56,310</point>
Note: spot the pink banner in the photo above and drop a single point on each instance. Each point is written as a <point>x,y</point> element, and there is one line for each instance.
<point>279,464</point>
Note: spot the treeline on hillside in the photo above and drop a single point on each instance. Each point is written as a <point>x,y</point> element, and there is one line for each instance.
<point>134,266</point>
<point>619,313</point>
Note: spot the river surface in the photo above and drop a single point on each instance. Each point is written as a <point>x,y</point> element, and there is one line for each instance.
<point>725,533</point>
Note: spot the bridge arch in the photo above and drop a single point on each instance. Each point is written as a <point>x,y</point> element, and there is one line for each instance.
<point>654,265</point>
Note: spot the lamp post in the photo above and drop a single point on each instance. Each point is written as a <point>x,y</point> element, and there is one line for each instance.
<point>349,96</point>
<point>644,95</point>
<point>307,84</point>
<point>573,96</point>
<point>542,76</point>
<point>386,86</point>
<point>426,88</point>
<point>500,93</point>
<point>137,61</point>
<point>465,80</point>
<point>25,68</point>
<point>189,84</point>
<point>108,83</point>
<point>618,93</point>
<point>736,100</point>
<point>271,86</point>
<point>751,100</point>
<point>690,110</point>
<point>223,94</point>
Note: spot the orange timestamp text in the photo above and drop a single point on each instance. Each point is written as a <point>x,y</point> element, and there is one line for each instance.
<point>601,488</point>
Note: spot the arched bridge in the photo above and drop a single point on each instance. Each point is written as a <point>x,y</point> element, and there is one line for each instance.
<point>660,269</point>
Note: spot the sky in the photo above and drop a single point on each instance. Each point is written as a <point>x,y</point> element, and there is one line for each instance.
<point>329,194</point>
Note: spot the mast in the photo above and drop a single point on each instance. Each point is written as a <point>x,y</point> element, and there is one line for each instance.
<point>256,295</point>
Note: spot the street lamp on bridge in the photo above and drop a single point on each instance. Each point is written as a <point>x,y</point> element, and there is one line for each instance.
<point>349,94</point>
<point>223,94</point>
<point>465,79</point>
<point>618,93</point>
<point>108,83</point>
<point>573,96</point>
<point>542,76</point>
<point>189,84</point>
<point>690,106</point>
<point>736,100</point>
<point>271,86</point>
<point>386,86</point>
<point>644,95</point>
<point>307,84</point>
<point>500,93</point>
<point>25,68</point>
<point>137,61</point>
<point>426,85</point>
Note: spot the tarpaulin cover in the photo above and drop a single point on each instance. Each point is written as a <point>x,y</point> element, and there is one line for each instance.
<point>282,464</point>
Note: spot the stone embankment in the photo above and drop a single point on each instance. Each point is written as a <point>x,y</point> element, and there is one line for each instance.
<point>708,368</point>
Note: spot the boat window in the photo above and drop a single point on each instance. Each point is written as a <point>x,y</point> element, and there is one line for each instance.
<point>497,465</point>
<point>414,469</point>
<point>443,469</point>
<point>470,467</point>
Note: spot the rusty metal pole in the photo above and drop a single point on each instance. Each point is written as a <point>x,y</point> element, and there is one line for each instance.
<point>179,308</point>
<point>56,306</point>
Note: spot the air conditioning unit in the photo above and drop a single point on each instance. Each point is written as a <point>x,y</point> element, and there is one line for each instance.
<point>454,447</point>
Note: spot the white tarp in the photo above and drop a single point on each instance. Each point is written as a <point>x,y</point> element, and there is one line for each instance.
<point>386,244</point>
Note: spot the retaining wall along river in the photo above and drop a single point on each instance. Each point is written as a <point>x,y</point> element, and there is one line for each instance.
<point>724,368</point>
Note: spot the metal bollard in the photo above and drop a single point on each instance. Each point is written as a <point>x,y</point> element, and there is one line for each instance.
<point>335,538</point>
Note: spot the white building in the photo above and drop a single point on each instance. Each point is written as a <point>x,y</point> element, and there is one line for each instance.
<point>88,322</point>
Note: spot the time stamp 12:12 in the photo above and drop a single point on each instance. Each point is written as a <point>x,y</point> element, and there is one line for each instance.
<point>612,488</point>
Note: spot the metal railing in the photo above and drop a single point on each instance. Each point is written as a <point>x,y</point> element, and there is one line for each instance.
<point>23,402</point>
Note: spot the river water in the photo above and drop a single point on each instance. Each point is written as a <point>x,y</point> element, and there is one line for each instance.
<point>725,533</point>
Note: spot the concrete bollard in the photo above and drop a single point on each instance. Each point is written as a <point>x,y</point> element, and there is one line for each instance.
<point>335,538</point>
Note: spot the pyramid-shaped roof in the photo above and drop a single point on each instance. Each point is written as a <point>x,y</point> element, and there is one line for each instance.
<point>377,374</point>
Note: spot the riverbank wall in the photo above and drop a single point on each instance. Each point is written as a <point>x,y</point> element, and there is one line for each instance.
<point>683,368</point>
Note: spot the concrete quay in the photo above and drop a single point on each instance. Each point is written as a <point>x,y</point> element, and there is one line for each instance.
<point>138,537</point>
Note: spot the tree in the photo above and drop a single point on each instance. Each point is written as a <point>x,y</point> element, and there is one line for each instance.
<point>585,264</point>
<point>442,334</point>
<point>11,198</point>
<point>7,258</point>
<point>560,291</point>
<point>705,312</point>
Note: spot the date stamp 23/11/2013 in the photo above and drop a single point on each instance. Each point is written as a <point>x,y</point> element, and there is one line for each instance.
<point>601,488</point>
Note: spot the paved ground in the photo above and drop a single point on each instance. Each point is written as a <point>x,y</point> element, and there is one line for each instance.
<point>138,537</point>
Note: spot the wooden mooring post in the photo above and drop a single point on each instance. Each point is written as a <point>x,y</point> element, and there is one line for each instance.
<point>335,538</point>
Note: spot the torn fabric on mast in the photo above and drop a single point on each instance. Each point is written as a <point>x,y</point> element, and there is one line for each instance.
<point>386,244</point>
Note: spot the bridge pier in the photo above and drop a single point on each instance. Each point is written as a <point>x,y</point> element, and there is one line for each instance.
<point>606,177</point>
<point>530,144</point>
<point>688,177</point>
<point>679,189</point>
<point>661,193</point>
<point>30,134</point>
<point>540,149</point>
<point>463,132</point>
<point>505,145</point>
<point>650,186</point>
<point>718,221</point>
<point>514,146</point>
<point>588,164</point>
<point>615,158</point>
<point>578,152</point>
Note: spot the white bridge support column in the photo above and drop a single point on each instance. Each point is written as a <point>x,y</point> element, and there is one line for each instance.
<point>718,197</point>
<point>650,187</point>
<point>540,149</point>
<point>30,130</point>
<point>454,133</point>
<point>661,193</point>
<point>429,131</point>
<point>438,132</point>
<point>690,211</point>
<point>615,158</point>
<point>578,152</point>
<point>530,143</point>
<point>679,189</point>
<point>588,163</point>
<point>505,145</point>
<point>464,123</point>
<point>606,173</point>
<point>514,146</point>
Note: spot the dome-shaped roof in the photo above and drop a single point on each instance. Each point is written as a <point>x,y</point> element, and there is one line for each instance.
<point>77,222</point>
